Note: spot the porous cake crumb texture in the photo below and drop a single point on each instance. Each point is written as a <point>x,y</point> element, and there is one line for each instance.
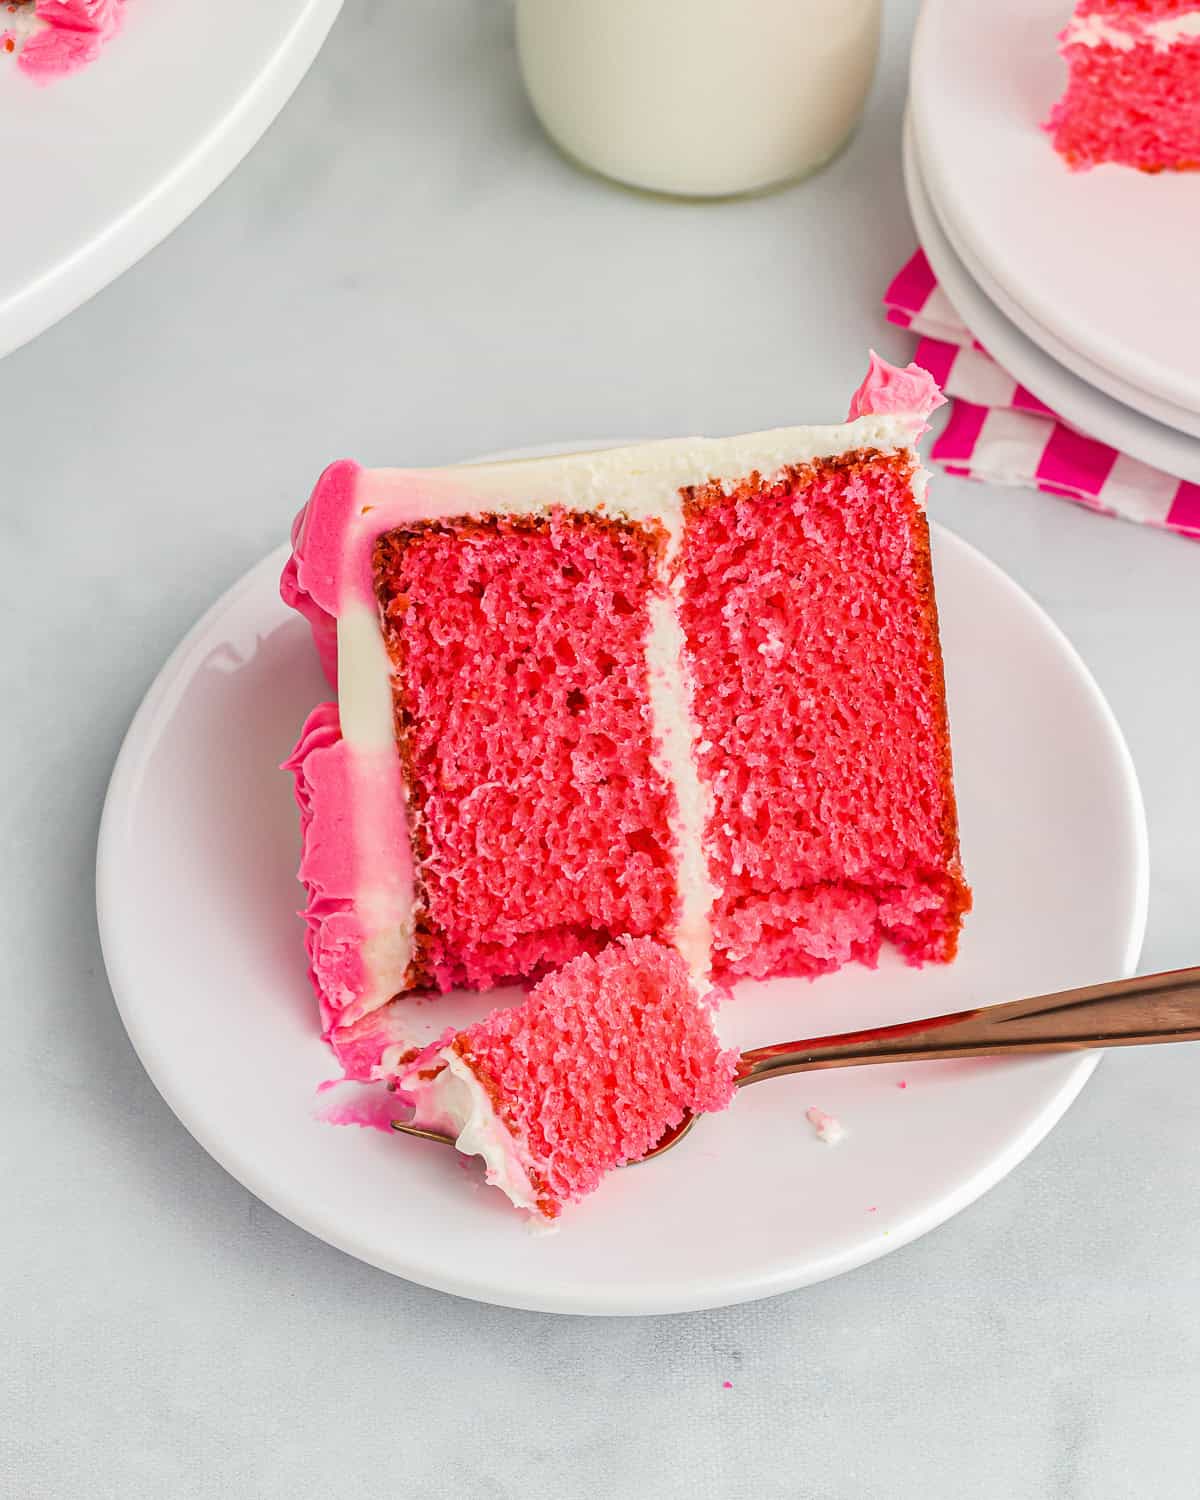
<point>602,1058</point>
<point>812,629</point>
<point>1133,89</point>
<point>540,824</point>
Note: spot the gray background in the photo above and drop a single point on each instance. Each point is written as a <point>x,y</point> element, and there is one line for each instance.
<point>404,271</point>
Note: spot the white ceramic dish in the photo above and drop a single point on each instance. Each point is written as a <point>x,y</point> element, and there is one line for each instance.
<point>1048,354</point>
<point>197,901</point>
<point>101,166</point>
<point>1104,260</point>
<point>1079,404</point>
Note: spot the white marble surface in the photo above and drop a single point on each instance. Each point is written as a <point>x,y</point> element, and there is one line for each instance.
<point>404,271</point>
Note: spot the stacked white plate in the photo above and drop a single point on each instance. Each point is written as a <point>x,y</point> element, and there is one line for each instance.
<point>1085,286</point>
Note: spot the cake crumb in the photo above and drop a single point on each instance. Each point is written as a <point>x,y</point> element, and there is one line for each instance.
<point>828,1129</point>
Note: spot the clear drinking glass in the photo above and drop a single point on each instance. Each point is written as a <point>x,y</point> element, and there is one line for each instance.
<point>701,98</point>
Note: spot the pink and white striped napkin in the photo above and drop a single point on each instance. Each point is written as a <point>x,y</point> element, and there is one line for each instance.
<point>1001,433</point>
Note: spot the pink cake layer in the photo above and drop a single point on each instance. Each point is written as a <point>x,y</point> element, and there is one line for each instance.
<point>810,618</point>
<point>1132,97</point>
<point>523,721</point>
<point>601,1059</point>
<point>1134,12</point>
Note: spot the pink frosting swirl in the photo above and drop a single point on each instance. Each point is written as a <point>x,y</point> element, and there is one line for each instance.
<point>890,390</point>
<point>71,33</point>
<point>309,581</point>
<point>334,933</point>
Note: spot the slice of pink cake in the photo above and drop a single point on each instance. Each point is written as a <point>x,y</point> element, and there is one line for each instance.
<point>1133,86</point>
<point>689,691</point>
<point>601,1059</point>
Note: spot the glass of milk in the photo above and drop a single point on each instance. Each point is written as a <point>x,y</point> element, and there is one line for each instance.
<point>701,98</point>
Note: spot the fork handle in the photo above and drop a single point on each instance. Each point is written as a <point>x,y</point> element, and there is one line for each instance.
<point>1150,1008</point>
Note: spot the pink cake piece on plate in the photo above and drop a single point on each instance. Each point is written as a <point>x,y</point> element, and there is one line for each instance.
<point>601,1059</point>
<point>1133,86</point>
<point>688,691</point>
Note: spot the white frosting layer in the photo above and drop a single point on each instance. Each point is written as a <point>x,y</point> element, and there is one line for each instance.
<point>364,690</point>
<point>1183,28</point>
<point>640,484</point>
<point>457,1104</point>
<point>1095,31</point>
<point>387,953</point>
<point>675,734</point>
<point>385,896</point>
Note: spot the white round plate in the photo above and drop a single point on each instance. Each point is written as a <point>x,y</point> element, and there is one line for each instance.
<point>1079,404</point>
<point>100,166</point>
<point>1047,355</point>
<point>1105,260</point>
<point>197,903</point>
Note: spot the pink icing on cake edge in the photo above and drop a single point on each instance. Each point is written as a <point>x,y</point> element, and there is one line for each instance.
<point>333,538</point>
<point>72,34</point>
<point>340,871</point>
<point>334,936</point>
<point>357,858</point>
<point>888,390</point>
<point>309,583</point>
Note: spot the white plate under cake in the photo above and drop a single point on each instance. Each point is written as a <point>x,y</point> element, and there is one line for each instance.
<point>197,907</point>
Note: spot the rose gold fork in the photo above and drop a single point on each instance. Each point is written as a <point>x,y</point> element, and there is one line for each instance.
<point>1124,1013</point>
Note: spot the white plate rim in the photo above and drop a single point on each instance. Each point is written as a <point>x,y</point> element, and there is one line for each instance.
<point>699,1295</point>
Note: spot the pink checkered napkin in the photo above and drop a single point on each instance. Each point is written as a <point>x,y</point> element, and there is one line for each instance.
<point>1000,432</point>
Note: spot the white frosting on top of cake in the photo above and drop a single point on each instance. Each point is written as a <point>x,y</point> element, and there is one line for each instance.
<point>641,484</point>
<point>456,1103</point>
<point>1095,31</point>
